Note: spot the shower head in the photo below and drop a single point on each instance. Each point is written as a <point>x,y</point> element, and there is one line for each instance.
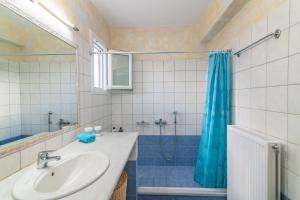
<point>175,113</point>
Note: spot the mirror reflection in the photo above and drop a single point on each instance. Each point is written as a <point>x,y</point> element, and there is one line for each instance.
<point>38,79</point>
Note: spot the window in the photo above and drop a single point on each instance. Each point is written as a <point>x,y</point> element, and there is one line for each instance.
<point>99,66</point>
<point>120,70</point>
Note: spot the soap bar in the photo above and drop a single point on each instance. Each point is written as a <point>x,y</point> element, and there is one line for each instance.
<point>86,137</point>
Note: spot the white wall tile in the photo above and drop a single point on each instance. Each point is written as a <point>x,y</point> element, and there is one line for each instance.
<point>191,65</point>
<point>157,66</point>
<point>169,98</point>
<point>9,165</point>
<point>258,98</point>
<point>168,76</point>
<point>258,76</point>
<point>116,109</point>
<point>191,108</point>
<point>167,65</point>
<point>179,75</point>
<point>179,65</point>
<point>68,137</point>
<point>147,76</point>
<point>138,88</point>
<point>258,120</point>
<point>148,98</point>
<point>169,87</point>
<point>293,129</point>
<point>243,98</point>
<point>295,15</point>
<point>126,109</point>
<point>191,87</point>
<point>259,54</point>
<point>158,76</point>
<point>278,48</point>
<point>29,155</point>
<point>277,72</point>
<point>137,65</point>
<point>138,77</point>
<point>293,185</point>
<point>126,98</point>
<point>180,87</point>
<point>148,109</point>
<point>294,69</point>
<point>157,97</point>
<point>242,116</point>
<point>294,158</point>
<point>201,76</point>
<point>180,98</point>
<point>159,109</point>
<point>277,99</point>
<point>277,125</point>
<point>244,79</point>
<point>190,76</point>
<point>137,109</point>
<point>294,99</point>
<point>147,66</point>
<point>294,39</point>
<point>158,87</point>
<point>54,143</point>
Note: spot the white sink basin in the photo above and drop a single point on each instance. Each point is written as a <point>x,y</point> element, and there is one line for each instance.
<point>62,178</point>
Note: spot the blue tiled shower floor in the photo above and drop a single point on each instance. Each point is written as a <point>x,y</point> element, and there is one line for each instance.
<point>166,176</point>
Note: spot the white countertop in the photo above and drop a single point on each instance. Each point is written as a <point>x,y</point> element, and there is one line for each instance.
<point>117,146</point>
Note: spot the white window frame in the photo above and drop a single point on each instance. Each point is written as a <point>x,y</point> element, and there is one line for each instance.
<point>96,42</point>
<point>110,72</point>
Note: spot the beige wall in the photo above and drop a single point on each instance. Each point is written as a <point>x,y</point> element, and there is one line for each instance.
<point>34,39</point>
<point>179,38</point>
<point>84,15</point>
<point>251,14</point>
<point>156,38</point>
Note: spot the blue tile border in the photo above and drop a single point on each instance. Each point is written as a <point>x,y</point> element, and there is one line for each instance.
<point>130,168</point>
<point>165,197</point>
<point>19,137</point>
<point>166,176</point>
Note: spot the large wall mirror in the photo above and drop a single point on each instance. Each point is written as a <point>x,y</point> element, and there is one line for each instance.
<point>38,79</point>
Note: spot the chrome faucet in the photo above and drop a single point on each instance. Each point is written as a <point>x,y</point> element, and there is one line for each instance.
<point>49,120</point>
<point>62,123</point>
<point>160,122</point>
<point>44,158</point>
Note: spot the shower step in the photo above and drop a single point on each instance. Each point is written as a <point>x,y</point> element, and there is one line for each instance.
<point>180,193</point>
<point>172,197</point>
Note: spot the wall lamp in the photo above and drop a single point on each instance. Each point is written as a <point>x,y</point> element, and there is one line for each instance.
<point>60,18</point>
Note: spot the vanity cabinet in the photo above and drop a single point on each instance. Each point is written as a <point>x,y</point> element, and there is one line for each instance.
<point>120,71</point>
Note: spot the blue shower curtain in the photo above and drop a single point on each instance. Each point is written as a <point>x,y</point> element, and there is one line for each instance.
<point>211,166</point>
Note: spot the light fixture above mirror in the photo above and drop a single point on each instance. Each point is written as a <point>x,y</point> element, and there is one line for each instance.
<point>58,16</point>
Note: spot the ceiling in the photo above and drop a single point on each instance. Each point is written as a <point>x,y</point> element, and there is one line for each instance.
<point>145,13</point>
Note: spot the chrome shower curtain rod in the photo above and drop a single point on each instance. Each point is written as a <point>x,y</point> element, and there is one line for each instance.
<point>276,34</point>
<point>155,52</point>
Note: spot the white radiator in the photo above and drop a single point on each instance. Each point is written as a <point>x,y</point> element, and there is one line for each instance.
<point>253,166</point>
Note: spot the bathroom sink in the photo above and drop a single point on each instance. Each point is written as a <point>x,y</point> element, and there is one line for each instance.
<point>62,178</point>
